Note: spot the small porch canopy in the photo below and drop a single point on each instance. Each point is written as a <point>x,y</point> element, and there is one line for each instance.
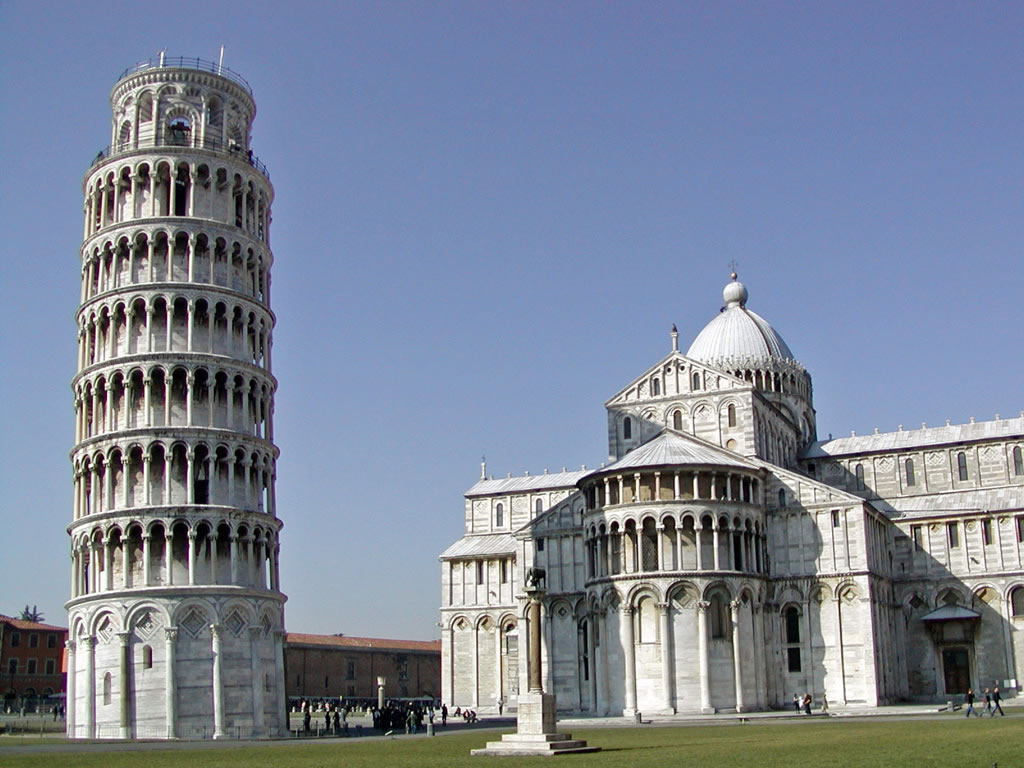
<point>951,613</point>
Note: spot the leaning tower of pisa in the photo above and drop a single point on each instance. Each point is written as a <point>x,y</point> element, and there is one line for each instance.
<point>176,615</point>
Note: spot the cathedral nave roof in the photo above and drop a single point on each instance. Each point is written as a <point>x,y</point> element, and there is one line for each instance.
<point>914,439</point>
<point>481,546</point>
<point>523,483</point>
<point>1001,499</point>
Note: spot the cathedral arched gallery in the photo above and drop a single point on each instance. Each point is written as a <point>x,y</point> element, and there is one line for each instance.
<point>725,558</point>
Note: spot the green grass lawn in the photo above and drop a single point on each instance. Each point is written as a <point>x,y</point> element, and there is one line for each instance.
<point>849,742</point>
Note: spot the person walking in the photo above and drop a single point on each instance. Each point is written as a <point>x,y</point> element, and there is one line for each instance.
<point>824,704</point>
<point>796,702</point>
<point>807,703</point>
<point>444,715</point>
<point>988,701</point>
<point>970,703</point>
<point>996,698</point>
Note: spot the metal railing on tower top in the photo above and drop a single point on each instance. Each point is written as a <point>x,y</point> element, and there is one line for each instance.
<point>181,62</point>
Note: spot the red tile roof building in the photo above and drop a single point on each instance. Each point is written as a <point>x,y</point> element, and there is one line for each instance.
<point>335,666</point>
<point>31,660</point>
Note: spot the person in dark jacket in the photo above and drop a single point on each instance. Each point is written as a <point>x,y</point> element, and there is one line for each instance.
<point>996,698</point>
<point>970,703</point>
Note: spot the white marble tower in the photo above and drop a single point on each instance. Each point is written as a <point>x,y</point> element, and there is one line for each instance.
<point>176,616</point>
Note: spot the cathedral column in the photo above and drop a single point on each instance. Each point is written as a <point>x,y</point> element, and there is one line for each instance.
<point>629,657</point>
<point>698,531</point>
<point>715,536</point>
<point>257,681</point>
<point>192,556</point>
<point>667,678</point>
<point>714,486</point>
<point>657,486</point>
<point>759,682</point>
<point>170,680</point>
<point>279,635</point>
<point>71,704</point>
<point>696,485</point>
<point>126,560</point>
<point>169,557</point>
<point>675,485</point>
<point>125,685</point>
<point>476,666</point>
<point>737,658</point>
<point>90,687</point>
<point>600,663</point>
<point>125,479</point>
<point>233,540</point>
<point>147,492</point>
<point>147,569</point>
<point>218,681</point>
<point>702,656</point>
<point>108,563</point>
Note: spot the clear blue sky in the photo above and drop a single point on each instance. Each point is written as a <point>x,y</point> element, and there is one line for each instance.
<point>489,215</point>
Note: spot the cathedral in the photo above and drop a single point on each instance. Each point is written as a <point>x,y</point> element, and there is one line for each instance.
<point>724,558</point>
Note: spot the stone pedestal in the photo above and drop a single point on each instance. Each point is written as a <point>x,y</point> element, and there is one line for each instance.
<point>535,734</point>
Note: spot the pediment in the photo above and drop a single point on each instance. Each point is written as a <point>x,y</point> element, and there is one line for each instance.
<point>674,374</point>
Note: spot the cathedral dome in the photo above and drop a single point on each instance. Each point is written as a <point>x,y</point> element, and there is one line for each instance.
<point>737,335</point>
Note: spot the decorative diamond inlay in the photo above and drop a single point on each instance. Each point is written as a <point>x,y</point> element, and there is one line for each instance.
<point>235,623</point>
<point>194,622</point>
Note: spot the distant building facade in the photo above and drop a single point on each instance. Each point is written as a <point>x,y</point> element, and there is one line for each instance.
<point>335,666</point>
<point>725,559</point>
<point>31,661</point>
<point>176,614</point>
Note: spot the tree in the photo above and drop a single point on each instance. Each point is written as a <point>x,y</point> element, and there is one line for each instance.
<point>31,614</point>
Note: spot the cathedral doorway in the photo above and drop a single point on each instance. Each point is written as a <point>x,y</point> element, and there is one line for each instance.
<point>956,669</point>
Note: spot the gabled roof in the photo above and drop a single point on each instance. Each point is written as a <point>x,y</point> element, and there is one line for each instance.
<point>915,439</point>
<point>29,626</point>
<point>671,448</point>
<point>367,643</point>
<point>546,482</point>
<point>481,545</point>
<point>674,357</point>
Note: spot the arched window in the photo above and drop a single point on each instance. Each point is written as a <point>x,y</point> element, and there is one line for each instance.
<point>731,415</point>
<point>859,473</point>
<point>677,421</point>
<point>147,657</point>
<point>656,387</point>
<point>782,497</point>
<point>720,624</point>
<point>792,625</point>
<point>538,506</point>
<point>627,428</point>
<point>792,617</point>
<point>106,688</point>
<point>908,467</point>
<point>646,621</point>
<point>499,516</point>
<point>1017,603</point>
<point>696,380</point>
<point>1018,461</point>
<point>961,465</point>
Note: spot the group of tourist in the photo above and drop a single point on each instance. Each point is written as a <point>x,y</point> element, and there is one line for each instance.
<point>992,699</point>
<point>804,703</point>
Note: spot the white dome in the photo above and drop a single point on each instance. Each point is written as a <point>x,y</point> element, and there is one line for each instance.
<point>738,335</point>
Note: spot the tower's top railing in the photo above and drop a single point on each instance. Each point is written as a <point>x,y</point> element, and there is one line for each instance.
<point>181,62</point>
